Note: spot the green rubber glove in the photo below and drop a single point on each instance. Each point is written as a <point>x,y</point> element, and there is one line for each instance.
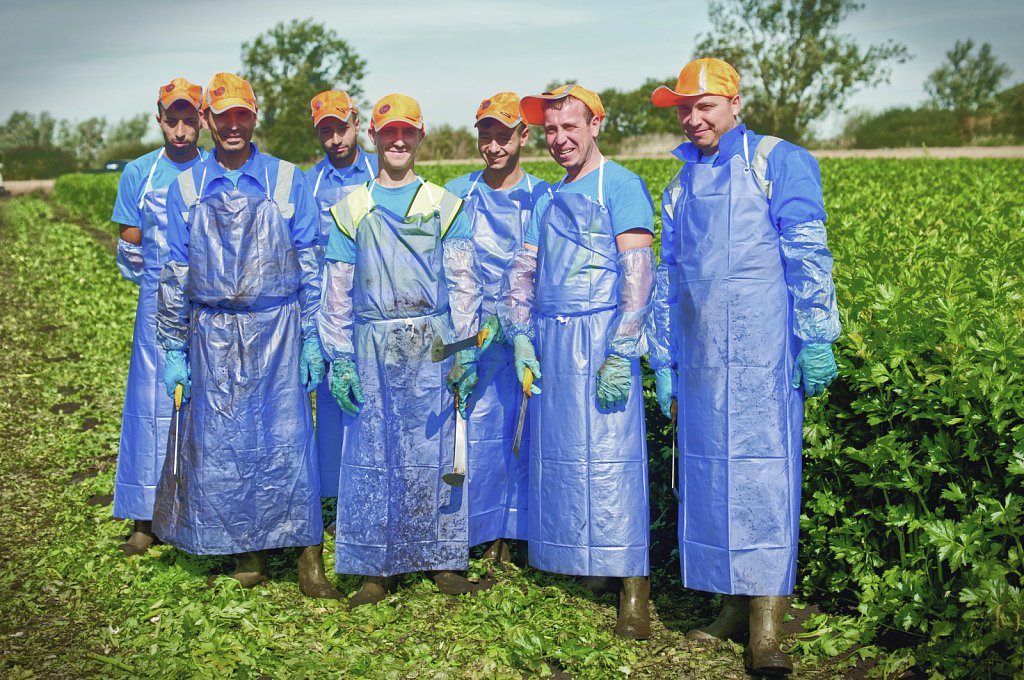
<point>177,372</point>
<point>613,381</point>
<point>345,381</point>
<point>815,367</point>
<point>463,376</point>
<point>311,364</point>
<point>526,357</point>
<point>494,332</point>
<point>665,388</point>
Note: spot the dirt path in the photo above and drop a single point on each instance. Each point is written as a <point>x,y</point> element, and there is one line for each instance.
<point>20,187</point>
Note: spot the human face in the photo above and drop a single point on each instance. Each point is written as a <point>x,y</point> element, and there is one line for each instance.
<point>706,118</point>
<point>231,130</point>
<point>396,146</point>
<point>571,139</point>
<point>500,145</point>
<point>338,139</point>
<point>179,124</point>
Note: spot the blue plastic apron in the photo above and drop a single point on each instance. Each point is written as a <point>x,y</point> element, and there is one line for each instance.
<point>329,430</point>
<point>739,420</point>
<point>147,410</point>
<point>497,480</point>
<point>395,514</point>
<point>588,501</point>
<point>249,477</point>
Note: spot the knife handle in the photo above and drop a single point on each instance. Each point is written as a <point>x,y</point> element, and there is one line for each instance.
<point>527,382</point>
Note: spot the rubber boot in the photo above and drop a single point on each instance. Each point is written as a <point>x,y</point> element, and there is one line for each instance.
<point>599,585</point>
<point>251,569</point>
<point>312,579</point>
<point>498,551</point>
<point>763,655</point>
<point>733,622</point>
<point>141,538</point>
<point>373,590</point>
<point>450,583</point>
<point>634,617</point>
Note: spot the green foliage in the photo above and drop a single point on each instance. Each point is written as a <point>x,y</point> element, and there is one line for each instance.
<point>36,162</point>
<point>286,67</point>
<point>795,65</point>
<point>968,81</point>
<point>89,197</point>
<point>904,127</point>
<point>444,142</point>
<point>23,129</point>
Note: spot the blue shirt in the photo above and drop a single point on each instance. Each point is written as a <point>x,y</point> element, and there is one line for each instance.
<point>396,200</point>
<point>331,177</point>
<point>625,197</point>
<point>460,186</point>
<point>133,183</point>
<point>793,172</point>
<point>253,180</point>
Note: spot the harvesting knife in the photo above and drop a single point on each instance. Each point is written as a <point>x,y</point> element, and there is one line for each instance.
<point>675,418</point>
<point>177,424</point>
<point>527,384</point>
<point>440,351</point>
<point>458,474</point>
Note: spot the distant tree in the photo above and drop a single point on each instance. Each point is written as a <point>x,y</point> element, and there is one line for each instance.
<point>286,67</point>
<point>795,67</point>
<point>87,138</point>
<point>37,161</point>
<point>26,129</point>
<point>444,142</point>
<point>968,81</point>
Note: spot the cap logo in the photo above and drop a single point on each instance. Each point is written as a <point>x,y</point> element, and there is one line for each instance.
<point>218,92</point>
<point>169,88</point>
<point>317,105</point>
<point>486,104</point>
<point>384,109</point>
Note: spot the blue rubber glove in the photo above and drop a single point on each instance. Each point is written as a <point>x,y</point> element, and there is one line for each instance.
<point>177,372</point>
<point>526,357</point>
<point>613,382</point>
<point>665,388</point>
<point>311,364</point>
<point>345,381</point>
<point>463,375</point>
<point>494,332</point>
<point>815,367</point>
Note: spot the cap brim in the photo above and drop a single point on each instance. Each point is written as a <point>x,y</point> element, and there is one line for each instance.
<point>403,121</point>
<point>231,103</point>
<point>180,98</point>
<point>501,120</point>
<point>666,96</point>
<point>317,121</point>
<point>533,107</point>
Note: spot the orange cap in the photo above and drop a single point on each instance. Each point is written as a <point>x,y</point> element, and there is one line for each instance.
<point>228,91</point>
<point>533,106</point>
<point>502,107</point>
<point>179,88</point>
<point>332,103</point>
<point>396,108</point>
<point>698,78</point>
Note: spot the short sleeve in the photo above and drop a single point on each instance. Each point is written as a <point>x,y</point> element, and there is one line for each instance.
<point>126,205</point>
<point>340,248</point>
<point>630,205</point>
<point>305,221</point>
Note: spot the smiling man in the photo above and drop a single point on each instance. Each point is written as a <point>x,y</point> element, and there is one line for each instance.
<point>141,211</point>
<point>344,167</point>
<point>581,289</point>
<point>499,201</point>
<point>744,314</point>
<point>400,269</point>
<point>236,318</point>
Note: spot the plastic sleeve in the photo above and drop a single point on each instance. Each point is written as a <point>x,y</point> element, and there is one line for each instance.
<point>336,318</point>
<point>626,337</point>
<point>809,279</point>
<point>310,266</point>
<point>173,309</point>
<point>129,260</point>
<point>464,290</point>
<point>660,321</point>
<point>516,295</point>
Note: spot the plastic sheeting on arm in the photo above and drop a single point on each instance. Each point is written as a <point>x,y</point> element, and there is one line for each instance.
<point>310,265</point>
<point>173,308</point>
<point>809,280</point>
<point>516,296</point>
<point>336,318</point>
<point>626,337</point>
<point>129,261</point>
<point>464,291</point>
<point>660,320</point>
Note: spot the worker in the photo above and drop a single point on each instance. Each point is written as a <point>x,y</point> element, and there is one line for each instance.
<point>400,269</point>
<point>584,281</point>
<point>498,202</point>
<point>344,167</point>
<point>744,315</point>
<point>236,318</point>
<point>141,211</point>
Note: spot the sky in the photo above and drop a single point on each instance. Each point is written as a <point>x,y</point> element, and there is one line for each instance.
<point>83,58</point>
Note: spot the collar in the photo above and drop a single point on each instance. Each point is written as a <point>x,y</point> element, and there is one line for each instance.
<point>729,145</point>
<point>358,166</point>
<point>255,167</point>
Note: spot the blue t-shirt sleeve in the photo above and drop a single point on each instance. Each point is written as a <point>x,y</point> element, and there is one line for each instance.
<point>126,205</point>
<point>631,207</point>
<point>177,224</point>
<point>541,198</point>
<point>340,248</point>
<point>460,227</point>
<point>796,187</point>
<point>305,221</point>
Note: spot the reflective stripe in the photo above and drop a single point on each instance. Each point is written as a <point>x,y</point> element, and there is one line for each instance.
<point>283,189</point>
<point>187,185</point>
<point>351,210</point>
<point>759,165</point>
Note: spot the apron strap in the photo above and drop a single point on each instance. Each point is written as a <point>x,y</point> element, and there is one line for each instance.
<point>600,183</point>
<point>472,187</point>
<point>529,184</point>
<point>316,186</point>
<point>759,166</point>
<point>149,180</point>
<point>283,188</point>
<point>366,161</point>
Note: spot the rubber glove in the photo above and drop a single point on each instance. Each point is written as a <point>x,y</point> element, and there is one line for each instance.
<point>177,372</point>
<point>665,388</point>
<point>816,367</point>
<point>526,357</point>
<point>129,261</point>
<point>613,381</point>
<point>494,332</point>
<point>311,364</point>
<point>345,380</point>
<point>463,376</point>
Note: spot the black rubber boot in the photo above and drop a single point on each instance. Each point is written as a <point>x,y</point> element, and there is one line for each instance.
<point>251,569</point>
<point>764,657</point>
<point>498,551</point>
<point>312,579</point>
<point>141,538</point>
<point>733,622</point>
<point>373,590</point>
<point>450,583</point>
<point>634,617</point>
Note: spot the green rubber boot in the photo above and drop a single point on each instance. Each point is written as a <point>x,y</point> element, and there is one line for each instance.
<point>373,590</point>
<point>764,657</point>
<point>498,551</point>
<point>450,583</point>
<point>733,622</point>
<point>251,569</point>
<point>141,538</point>
<point>312,579</point>
<point>634,617</point>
